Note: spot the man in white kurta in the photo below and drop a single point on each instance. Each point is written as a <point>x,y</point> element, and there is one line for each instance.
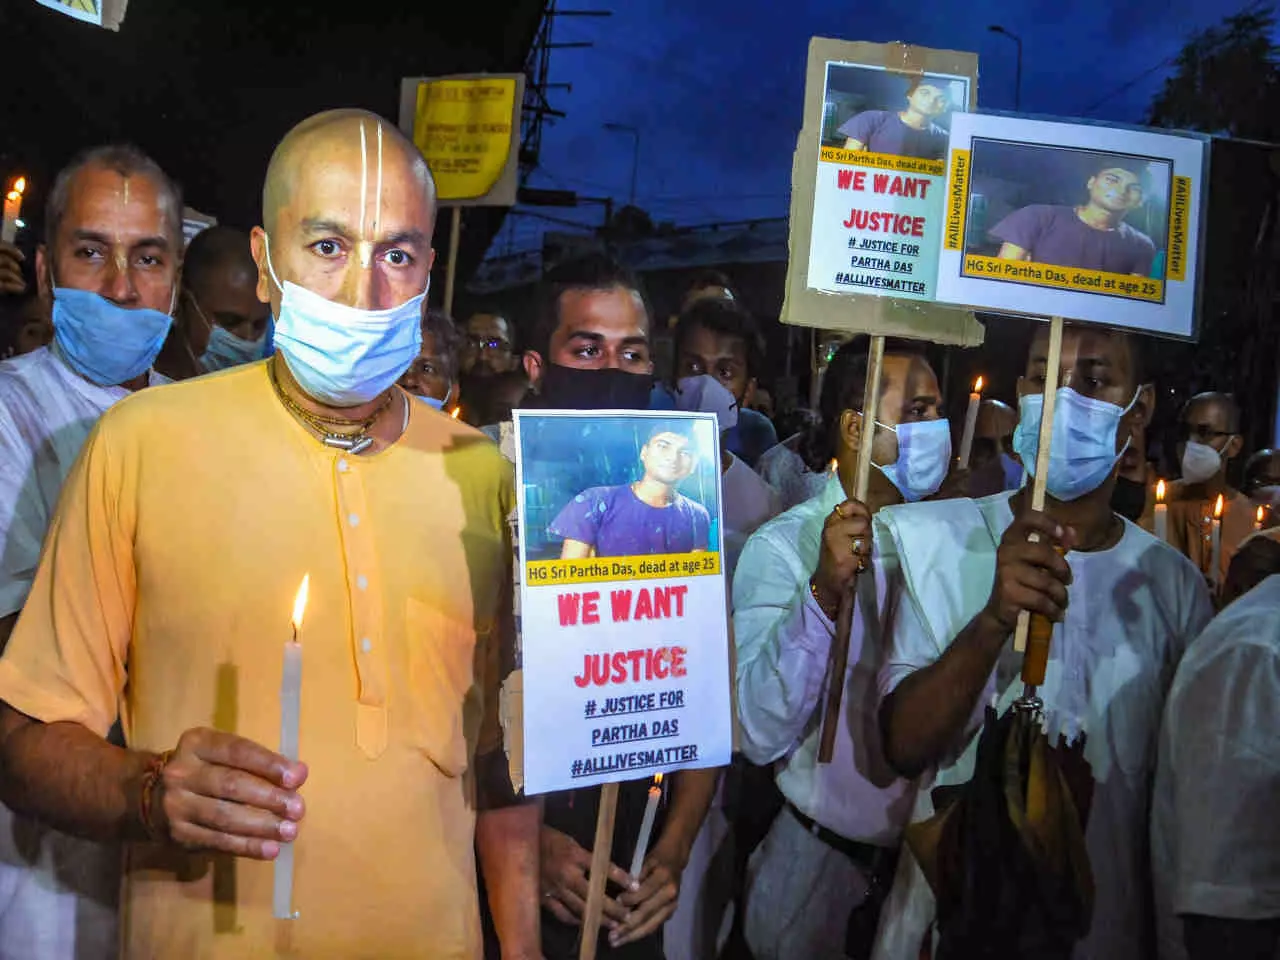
<point>1125,606</point>
<point>1215,833</point>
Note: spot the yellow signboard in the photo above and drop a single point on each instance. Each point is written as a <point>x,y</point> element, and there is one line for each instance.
<point>464,129</point>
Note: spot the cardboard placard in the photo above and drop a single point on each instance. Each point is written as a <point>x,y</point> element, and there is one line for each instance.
<point>1085,221</point>
<point>868,190</point>
<point>624,629</point>
<point>468,128</point>
<point>100,13</point>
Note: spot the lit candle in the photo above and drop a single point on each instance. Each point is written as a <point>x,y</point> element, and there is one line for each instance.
<point>1162,513</point>
<point>970,424</point>
<point>12,210</point>
<point>290,700</point>
<point>1215,539</point>
<point>1258,517</point>
<point>646,826</point>
<point>455,412</point>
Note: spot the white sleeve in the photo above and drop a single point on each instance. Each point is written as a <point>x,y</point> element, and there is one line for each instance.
<point>1223,764</point>
<point>911,645</point>
<point>24,519</point>
<point>783,641</point>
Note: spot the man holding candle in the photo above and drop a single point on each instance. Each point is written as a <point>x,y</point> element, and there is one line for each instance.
<point>398,516</point>
<point>830,853</point>
<point>110,268</point>
<point>1208,440</point>
<point>1124,605</point>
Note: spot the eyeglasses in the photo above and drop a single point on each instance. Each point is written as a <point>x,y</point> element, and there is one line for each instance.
<point>1201,432</point>
<point>490,343</point>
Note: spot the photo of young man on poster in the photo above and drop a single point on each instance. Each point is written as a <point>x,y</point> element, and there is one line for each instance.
<point>1069,208</point>
<point>890,113</point>
<point>646,516</point>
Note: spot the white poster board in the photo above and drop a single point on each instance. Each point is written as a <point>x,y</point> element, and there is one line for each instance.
<point>1076,220</point>
<point>622,600</point>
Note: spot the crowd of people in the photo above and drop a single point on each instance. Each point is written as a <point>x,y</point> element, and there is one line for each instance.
<point>185,432</point>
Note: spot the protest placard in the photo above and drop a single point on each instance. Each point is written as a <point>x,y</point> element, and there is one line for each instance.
<point>868,190</point>
<point>101,13</point>
<point>1078,220</point>
<point>622,598</point>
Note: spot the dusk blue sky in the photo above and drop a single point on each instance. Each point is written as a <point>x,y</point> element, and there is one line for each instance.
<point>716,87</point>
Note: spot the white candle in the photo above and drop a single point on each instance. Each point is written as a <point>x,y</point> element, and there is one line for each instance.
<point>646,827</point>
<point>1161,514</point>
<point>1215,537</point>
<point>12,210</point>
<point>290,701</point>
<point>970,424</point>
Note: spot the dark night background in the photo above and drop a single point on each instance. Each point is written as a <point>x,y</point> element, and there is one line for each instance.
<point>712,91</point>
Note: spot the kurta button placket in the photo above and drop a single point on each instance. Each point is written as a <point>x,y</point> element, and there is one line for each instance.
<point>366,609</point>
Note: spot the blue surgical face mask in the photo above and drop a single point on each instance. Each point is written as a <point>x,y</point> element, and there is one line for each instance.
<point>924,452</point>
<point>227,350</point>
<point>340,355</point>
<point>1083,452</point>
<point>106,343</point>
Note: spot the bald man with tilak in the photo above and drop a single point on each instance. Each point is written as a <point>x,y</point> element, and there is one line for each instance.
<point>164,596</point>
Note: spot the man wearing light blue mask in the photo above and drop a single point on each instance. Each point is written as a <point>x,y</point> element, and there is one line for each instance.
<point>433,375</point>
<point>225,322</point>
<point>1124,606</point>
<point>110,265</point>
<point>830,854</point>
<point>195,513</point>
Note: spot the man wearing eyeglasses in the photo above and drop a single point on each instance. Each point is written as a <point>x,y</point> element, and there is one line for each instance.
<point>487,347</point>
<point>1208,440</point>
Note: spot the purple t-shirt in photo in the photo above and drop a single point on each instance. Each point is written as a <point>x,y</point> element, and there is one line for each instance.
<point>619,524</point>
<point>882,131</point>
<point>1055,234</point>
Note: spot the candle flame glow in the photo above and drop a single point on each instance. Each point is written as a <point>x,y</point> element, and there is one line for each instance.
<point>1261,514</point>
<point>1159,491</point>
<point>454,412</point>
<point>20,185</point>
<point>833,466</point>
<point>657,780</point>
<point>1217,508</point>
<point>300,602</point>
<point>977,385</point>
<point>13,195</point>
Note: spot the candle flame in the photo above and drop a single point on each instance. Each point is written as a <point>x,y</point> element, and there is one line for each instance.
<point>13,195</point>
<point>1159,491</point>
<point>657,780</point>
<point>300,602</point>
<point>1262,512</point>
<point>1217,508</point>
<point>977,385</point>
<point>20,185</point>
<point>833,466</point>
<point>454,412</point>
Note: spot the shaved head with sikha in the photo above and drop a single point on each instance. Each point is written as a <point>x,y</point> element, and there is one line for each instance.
<point>348,209</point>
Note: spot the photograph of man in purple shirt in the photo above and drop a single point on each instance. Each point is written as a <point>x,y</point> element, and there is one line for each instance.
<point>1092,236</point>
<point>645,517</point>
<point>902,133</point>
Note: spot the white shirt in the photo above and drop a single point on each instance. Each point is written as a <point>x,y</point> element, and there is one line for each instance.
<point>1132,611</point>
<point>747,502</point>
<point>785,470</point>
<point>46,413</point>
<point>783,641</point>
<point>1215,834</point>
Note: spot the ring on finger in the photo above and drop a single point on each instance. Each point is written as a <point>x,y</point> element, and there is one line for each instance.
<point>855,545</point>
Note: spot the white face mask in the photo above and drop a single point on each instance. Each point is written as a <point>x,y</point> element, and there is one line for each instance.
<point>706,394</point>
<point>1200,462</point>
<point>340,355</point>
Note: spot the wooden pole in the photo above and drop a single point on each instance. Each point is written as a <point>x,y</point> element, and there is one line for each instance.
<point>1054,363</point>
<point>839,661</point>
<point>601,851</point>
<point>451,268</point>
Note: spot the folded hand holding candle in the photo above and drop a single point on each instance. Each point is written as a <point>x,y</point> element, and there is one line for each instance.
<point>290,701</point>
<point>12,210</point>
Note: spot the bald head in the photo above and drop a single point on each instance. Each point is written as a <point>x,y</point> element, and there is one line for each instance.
<point>349,208</point>
<point>310,141</point>
<point>1218,409</point>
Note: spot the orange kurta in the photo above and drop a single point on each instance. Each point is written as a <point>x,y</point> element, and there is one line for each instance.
<point>164,593</point>
<point>1190,527</point>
